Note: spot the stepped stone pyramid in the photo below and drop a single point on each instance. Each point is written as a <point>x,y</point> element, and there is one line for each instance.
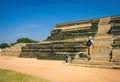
<point>69,39</point>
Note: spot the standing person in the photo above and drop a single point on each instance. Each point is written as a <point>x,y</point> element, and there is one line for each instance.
<point>90,45</point>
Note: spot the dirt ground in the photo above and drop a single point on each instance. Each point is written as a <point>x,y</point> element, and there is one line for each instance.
<point>58,71</point>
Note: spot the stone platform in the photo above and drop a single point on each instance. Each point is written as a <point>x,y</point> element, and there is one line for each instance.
<point>97,64</point>
<point>14,50</point>
<point>68,39</point>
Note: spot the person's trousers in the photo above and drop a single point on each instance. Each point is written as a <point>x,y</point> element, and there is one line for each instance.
<point>90,50</point>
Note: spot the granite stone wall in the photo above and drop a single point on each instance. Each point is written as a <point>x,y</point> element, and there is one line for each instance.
<point>69,39</point>
<point>13,50</point>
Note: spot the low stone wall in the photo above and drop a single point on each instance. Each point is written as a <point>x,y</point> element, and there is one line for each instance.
<point>13,50</point>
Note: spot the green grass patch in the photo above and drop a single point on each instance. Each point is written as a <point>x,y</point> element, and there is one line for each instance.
<point>12,76</point>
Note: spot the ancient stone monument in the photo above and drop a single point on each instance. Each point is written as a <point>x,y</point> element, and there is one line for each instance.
<point>14,50</point>
<point>69,39</point>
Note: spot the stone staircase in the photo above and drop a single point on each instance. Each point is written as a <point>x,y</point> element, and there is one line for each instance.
<point>53,50</point>
<point>69,39</point>
<point>64,41</point>
<point>115,30</point>
<point>63,35</point>
<point>106,42</point>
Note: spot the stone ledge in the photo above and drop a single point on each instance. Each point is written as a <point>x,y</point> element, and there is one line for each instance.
<point>97,64</point>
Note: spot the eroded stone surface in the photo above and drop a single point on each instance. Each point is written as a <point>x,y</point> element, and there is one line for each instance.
<point>13,50</point>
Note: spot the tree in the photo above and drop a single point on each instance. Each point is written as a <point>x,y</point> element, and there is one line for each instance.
<point>4,45</point>
<point>25,40</point>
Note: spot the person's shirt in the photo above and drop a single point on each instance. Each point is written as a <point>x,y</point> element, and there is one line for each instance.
<point>90,41</point>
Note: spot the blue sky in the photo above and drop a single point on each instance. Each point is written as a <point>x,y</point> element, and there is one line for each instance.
<point>36,18</point>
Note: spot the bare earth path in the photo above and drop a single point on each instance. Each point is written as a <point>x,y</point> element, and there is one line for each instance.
<point>58,71</point>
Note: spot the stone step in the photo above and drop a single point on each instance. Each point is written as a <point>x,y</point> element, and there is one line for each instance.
<point>98,66</point>
<point>69,37</point>
<point>97,63</point>
<point>61,35</point>
<point>73,31</point>
<point>115,30</point>
<point>115,27</point>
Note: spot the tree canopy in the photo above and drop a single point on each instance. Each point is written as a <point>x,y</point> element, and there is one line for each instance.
<point>25,40</point>
<point>4,45</point>
<point>20,40</point>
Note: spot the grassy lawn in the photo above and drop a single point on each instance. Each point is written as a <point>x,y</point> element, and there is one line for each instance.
<point>12,76</point>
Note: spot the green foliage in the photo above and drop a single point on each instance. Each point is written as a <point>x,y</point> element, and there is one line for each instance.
<point>4,45</point>
<point>25,40</point>
<point>20,40</point>
<point>12,76</point>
